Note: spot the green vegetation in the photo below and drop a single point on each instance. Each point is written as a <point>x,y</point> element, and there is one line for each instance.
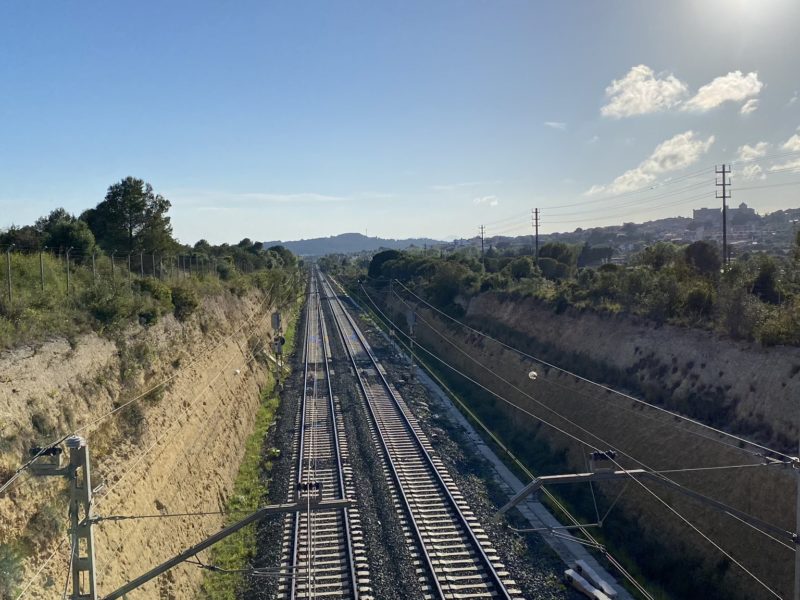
<point>118,264</point>
<point>249,491</point>
<point>755,298</point>
<point>10,571</point>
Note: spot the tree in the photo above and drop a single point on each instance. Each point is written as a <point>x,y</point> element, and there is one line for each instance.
<point>521,267</point>
<point>287,258</point>
<point>765,285</point>
<point>132,217</point>
<point>703,257</point>
<point>377,261</point>
<point>23,238</point>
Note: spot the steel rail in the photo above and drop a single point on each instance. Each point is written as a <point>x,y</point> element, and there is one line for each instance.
<point>495,577</point>
<point>339,466</point>
<point>314,316</point>
<point>296,525</point>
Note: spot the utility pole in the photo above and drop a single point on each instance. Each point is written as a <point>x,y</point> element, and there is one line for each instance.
<point>724,182</point>
<point>483,255</point>
<point>535,218</point>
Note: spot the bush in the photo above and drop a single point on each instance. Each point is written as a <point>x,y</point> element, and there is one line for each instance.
<point>10,571</point>
<point>45,525</point>
<point>160,292</point>
<point>107,305</point>
<point>185,301</point>
<point>699,301</point>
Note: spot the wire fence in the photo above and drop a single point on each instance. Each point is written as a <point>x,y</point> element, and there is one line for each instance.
<point>26,275</point>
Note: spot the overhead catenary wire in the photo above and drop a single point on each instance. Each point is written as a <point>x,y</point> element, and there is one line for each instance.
<point>646,467</point>
<point>623,469</point>
<point>601,386</point>
<point>522,466</point>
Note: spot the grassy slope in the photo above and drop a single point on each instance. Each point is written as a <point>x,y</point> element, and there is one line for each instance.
<point>249,491</point>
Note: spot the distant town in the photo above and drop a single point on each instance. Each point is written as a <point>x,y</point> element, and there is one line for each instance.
<point>747,231</point>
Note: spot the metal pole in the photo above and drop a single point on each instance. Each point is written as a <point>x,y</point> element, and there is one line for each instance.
<point>129,268</point>
<point>8,267</point>
<point>153,257</point>
<point>68,251</point>
<point>80,517</point>
<point>41,266</point>
<point>141,264</point>
<point>94,269</point>
<point>797,524</point>
<point>261,513</point>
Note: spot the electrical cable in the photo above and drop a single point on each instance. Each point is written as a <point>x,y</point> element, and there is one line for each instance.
<point>524,469</point>
<point>601,386</point>
<point>636,480</point>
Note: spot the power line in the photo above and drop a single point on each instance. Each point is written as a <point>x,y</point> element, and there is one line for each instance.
<point>638,482</point>
<point>601,386</point>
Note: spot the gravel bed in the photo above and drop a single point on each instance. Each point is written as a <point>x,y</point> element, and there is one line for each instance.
<point>531,562</point>
<point>392,573</point>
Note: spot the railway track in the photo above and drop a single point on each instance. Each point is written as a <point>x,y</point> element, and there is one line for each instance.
<point>322,554</point>
<point>452,554</point>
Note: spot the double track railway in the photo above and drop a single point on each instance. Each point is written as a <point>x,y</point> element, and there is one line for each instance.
<point>323,553</point>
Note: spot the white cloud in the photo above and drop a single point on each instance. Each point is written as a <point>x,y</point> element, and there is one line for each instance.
<point>793,99</point>
<point>488,200</point>
<point>747,153</point>
<point>792,165</point>
<point>792,144</point>
<point>641,92</point>
<point>749,106</point>
<point>593,140</point>
<point>752,171</point>
<point>733,87</point>
<point>673,154</point>
<point>555,125</point>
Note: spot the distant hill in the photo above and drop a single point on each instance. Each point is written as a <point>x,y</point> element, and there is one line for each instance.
<point>346,243</point>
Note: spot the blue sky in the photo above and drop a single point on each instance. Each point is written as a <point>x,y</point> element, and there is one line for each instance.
<point>286,120</point>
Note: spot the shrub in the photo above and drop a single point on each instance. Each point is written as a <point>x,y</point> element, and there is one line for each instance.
<point>185,301</point>
<point>158,290</point>
<point>45,524</point>
<point>10,571</point>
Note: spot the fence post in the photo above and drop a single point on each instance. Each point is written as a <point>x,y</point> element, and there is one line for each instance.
<point>94,270</point>
<point>129,269</point>
<point>141,264</point>
<point>68,251</point>
<point>8,266</point>
<point>153,256</point>
<point>41,266</point>
<point>113,271</point>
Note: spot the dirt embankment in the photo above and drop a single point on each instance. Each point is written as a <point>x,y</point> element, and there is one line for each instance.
<point>175,450</point>
<point>739,386</point>
<point>755,398</point>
